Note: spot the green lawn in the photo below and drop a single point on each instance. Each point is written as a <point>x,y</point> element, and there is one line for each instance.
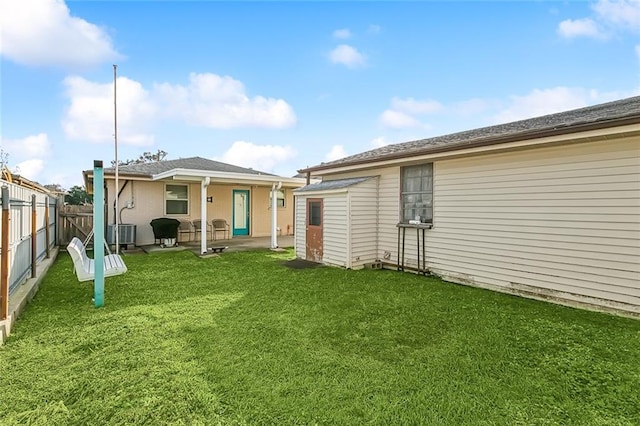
<point>240,339</point>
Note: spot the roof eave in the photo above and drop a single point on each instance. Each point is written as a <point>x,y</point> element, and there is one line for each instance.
<point>188,174</point>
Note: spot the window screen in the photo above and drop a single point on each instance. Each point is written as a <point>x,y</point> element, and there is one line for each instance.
<point>417,193</point>
<point>177,199</point>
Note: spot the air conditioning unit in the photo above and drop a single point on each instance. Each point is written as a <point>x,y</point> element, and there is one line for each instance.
<point>126,233</point>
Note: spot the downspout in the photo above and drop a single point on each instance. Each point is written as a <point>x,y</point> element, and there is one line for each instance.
<point>203,214</point>
<point>274,214</point>
<point>115,202</point>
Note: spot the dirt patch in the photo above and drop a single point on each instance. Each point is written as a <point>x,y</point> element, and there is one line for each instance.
<point>300,264</point>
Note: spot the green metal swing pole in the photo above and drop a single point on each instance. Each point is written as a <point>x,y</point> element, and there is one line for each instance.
<point>98,233</point>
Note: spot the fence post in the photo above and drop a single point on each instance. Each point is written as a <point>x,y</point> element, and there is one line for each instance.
<point>47,237</point>
<point>4,256</point>
<point>34,242</point>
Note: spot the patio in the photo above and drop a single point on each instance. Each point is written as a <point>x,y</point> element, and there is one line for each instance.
<point>234,244</point>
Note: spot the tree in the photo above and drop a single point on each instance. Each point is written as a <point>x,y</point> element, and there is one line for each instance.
<point>145,157</point>
<point>54,187</point>
<point>78,196</point>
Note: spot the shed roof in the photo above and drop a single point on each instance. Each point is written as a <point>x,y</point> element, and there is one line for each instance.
<point>330,185</point>
<point>624,111</point>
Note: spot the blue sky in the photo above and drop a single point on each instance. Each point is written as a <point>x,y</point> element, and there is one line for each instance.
<point>278,86</point>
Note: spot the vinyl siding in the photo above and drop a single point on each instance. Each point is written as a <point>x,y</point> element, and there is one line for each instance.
<point>556,222</point>
<point>363,218</point>
<point>335,226</point>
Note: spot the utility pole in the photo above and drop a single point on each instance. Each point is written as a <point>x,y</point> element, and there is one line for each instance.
<point>115,137</point>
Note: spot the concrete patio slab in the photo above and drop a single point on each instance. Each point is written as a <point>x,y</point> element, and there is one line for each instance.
<point>232,244</point>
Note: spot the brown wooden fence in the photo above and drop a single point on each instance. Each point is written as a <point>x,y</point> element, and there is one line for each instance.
<point>75,221</point>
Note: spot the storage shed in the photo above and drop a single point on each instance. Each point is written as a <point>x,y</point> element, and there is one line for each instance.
<point>339,221</point>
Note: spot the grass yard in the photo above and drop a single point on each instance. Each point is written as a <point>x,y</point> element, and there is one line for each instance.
<point>240,339</point>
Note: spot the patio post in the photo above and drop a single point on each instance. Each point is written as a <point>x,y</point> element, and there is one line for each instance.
<point>203,214</point>
<point>274,214</point>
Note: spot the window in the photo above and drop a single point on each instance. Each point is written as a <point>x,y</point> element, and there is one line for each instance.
<point>417,193</point>
<point>279,197</point>
<point>176,199</point>
<point>315,213</point>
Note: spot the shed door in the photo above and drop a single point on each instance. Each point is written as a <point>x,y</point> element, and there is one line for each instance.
<point>314,229</point>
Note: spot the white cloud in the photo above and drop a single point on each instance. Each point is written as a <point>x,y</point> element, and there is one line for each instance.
<point>337,152</point>
<point>343,33</point>
<point>398,120</point>
<point>379,142</point>
<point>42,32</point>
<point>90,115</point>
<point>31,169</point>
<point>403,112</point>
<point>609,18</point>
<point>546,101</point>
<point>30,146</point>
<point>209,100</point>
<point>621,13</point>
<point>258,157</point>
<point>26,156</point>
<point>220,102</point>
<point>374,29</point>
<point>570,28</point>
<point>348,56</point>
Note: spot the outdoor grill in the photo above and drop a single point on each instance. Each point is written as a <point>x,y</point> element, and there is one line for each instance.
<point>165,231</point>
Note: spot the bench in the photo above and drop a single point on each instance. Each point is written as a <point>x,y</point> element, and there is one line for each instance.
<point>218,249</point>
<point>85,267</point>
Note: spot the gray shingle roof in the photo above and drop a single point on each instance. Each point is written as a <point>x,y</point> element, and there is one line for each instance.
<point>191,163</point>
<point>333,184</point>
<point>602,115</point>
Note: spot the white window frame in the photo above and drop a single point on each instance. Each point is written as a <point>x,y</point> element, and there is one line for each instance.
<point>424,209</point>
<point>166,200</point>
<point>283,198</point>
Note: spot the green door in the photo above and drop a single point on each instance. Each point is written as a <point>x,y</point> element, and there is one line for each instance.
<point>240,212</point>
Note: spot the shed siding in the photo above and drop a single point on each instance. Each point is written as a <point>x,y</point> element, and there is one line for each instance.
<point>388,212</point>
<point>560,222</point>
<point>335,225</point>
<point>300,237</point>
<point>363,217</point>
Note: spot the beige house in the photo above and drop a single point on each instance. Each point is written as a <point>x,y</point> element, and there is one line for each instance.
<point>547,207</point>
<point>192,189</point>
